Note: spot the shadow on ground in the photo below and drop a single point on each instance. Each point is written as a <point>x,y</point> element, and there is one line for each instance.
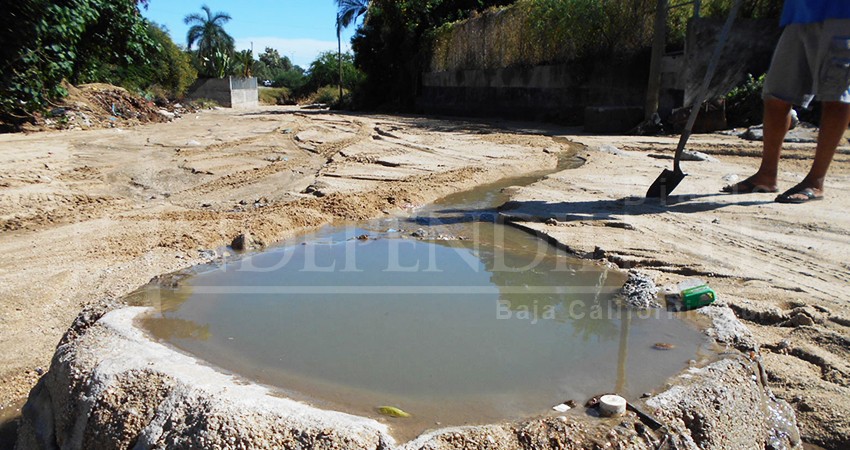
<point>614,209</point>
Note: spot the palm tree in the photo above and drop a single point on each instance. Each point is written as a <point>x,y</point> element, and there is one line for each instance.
<point>348,11</point>
<point>208,32</point>
<point>245,59</point>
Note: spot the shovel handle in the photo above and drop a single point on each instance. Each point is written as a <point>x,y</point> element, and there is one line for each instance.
<point>699,99</point>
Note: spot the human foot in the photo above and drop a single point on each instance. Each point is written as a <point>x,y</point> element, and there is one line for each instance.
<point>800,194</point>
<point>749,186</point>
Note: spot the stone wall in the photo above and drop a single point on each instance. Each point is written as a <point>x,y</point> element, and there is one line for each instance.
<point>558,92</point>
<point>230,92</point>
<point>561,91</point>
<point>748,50</point>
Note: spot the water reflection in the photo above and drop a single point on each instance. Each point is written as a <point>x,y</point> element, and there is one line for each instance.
<point>457,331</point>
<point>498,326</point>
<point>167,297</point>
<point>169,329</point>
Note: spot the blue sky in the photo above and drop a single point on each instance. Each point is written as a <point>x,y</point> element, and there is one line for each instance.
<point>299,29</point>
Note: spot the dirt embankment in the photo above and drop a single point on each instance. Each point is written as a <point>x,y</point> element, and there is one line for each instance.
<point>87,215</point>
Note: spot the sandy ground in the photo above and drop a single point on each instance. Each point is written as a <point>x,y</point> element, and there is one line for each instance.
<point>87,215</point>
<point>782,268</point>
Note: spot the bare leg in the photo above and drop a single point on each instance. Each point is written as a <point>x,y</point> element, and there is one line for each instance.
<point>777,120</point>
<point>833,124</point>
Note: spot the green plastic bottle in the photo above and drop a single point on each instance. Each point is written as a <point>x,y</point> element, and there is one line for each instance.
<point>697,297</point>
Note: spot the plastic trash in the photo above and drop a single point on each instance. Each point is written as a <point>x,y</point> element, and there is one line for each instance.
<point>697,297</point>
<point>392,411</point>
<point>562,408</point>
<point>691,294</point>
<point>612,405</point>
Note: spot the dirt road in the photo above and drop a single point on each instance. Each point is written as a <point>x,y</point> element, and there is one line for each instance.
<point>95,214</point>
<point>782,268</point>
<point>87,215</point>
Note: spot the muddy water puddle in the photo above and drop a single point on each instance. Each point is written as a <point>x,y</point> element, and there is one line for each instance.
<point>472,322</point>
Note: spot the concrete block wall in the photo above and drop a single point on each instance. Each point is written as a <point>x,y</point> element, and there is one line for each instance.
<point>557,92</point>
<point>561,90</point>
<point>230,92</point>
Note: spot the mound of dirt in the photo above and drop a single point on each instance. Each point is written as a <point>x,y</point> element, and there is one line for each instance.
<point>100,105</point>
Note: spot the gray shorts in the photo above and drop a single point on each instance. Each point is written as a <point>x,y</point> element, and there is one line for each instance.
<point>811,60</point>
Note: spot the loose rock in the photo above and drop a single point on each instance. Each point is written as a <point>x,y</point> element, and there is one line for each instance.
<point>691,155</point>
<point>245,241</point>
<point>611,150</point>
<point>640,291</point>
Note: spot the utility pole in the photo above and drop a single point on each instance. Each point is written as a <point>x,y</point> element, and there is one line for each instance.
<point>339,53</point>
<point>653,89</point>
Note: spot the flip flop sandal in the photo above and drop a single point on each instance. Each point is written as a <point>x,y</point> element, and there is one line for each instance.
<point>747,187</point>
<point>788,196</point>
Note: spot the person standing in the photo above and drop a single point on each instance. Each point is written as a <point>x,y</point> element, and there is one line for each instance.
<point>811,60</point>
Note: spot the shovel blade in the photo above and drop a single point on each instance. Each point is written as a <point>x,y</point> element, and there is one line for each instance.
<point>665,183</point>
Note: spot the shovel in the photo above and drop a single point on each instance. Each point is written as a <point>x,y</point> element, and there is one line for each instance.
<point>669,179</point>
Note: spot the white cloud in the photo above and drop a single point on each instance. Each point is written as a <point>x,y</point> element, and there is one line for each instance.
<point>300,51</point>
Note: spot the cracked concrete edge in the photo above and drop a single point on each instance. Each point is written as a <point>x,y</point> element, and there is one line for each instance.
<point>201,407</point>
<point>776,418</point>
<point>730,392</point>
<point>110,386</point>
<point>727,329</point>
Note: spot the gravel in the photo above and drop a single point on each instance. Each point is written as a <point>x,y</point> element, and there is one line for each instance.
<point>640,291</point>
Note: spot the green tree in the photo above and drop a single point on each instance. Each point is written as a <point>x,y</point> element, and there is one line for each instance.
<point>245,60</point>
<point>215,46</point>
<point>294,79</point>
<point>223,63</point>
<point>46,41</point>
<point>272,59</point>
<point>323,72</point>
<point>172,67</point>
<point>347,13</point>
<point>280,70</point>
<point>390,47</point>
<point>168,73</point>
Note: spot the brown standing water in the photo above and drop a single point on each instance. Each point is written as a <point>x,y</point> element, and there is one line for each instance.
<point>497,326</point>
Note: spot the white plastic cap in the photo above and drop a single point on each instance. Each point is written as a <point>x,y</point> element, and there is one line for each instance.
<point>612,405</point>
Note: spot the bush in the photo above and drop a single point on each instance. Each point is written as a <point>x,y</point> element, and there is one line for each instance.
<point>292,79</point>
<point>328,95</point>
<point>204,103</point>
<point>45,42</point>
<point>168,74</point>
<point>744,103</point>
<point>276,96</point>
<point>533,32</point>
<point>677,18</point>
<point>391,45</point>
<point>324,71</point>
